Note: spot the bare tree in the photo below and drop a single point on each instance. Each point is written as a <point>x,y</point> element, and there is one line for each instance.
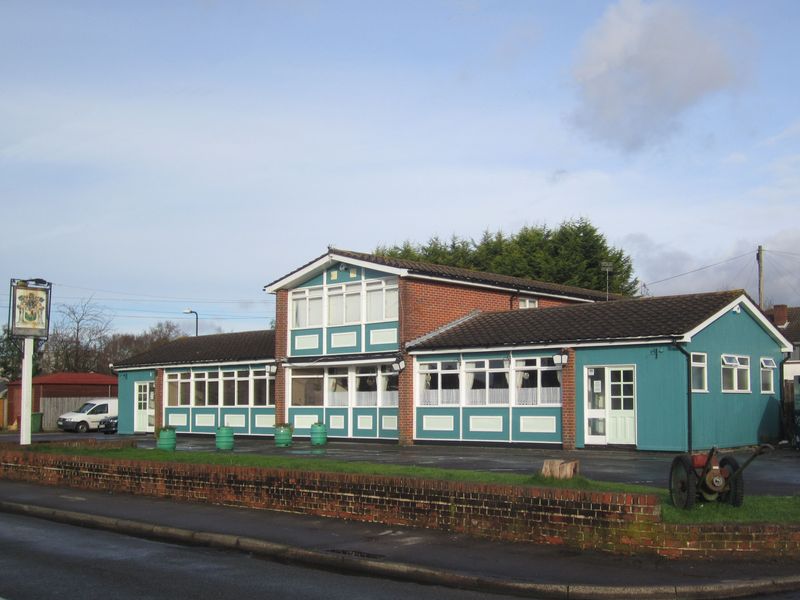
<point>78,337</point>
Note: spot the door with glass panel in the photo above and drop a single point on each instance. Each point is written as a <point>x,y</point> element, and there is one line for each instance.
<point>145,407</point>
<point>610,405</point>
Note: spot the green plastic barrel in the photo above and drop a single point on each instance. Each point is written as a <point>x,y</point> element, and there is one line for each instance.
<point>283,436</point>
<point>36,422</point>
<point>166,439</point>
<point>224,438</point>
<point>319,434</point>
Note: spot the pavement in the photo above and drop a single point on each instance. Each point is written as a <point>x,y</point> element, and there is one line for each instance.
<point>422,556</point>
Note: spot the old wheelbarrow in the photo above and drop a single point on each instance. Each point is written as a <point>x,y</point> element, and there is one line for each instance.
<point>708,477</point>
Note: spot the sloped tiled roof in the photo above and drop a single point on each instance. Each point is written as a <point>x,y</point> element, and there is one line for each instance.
<point>792,330</point>
<point>457,274</point>
<point>641,318</point>
<point>221,347</point>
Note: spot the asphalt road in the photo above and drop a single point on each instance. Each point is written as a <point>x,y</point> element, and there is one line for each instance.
<point>41,560</point>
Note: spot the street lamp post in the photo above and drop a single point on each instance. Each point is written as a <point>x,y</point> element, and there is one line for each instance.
<point>189,311</point>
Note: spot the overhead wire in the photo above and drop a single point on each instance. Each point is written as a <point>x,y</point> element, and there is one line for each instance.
<point>716,264</point>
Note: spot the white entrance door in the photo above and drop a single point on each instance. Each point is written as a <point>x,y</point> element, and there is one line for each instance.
<point>610,405</point>
<point>145,407</point>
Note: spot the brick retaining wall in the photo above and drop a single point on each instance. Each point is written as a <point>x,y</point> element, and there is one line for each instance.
<point>615,522</point>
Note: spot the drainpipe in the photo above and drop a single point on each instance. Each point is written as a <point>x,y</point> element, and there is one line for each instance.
<point>688,392</point>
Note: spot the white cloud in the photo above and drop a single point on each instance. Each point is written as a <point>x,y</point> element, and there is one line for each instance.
<point>790,132</point>
<point>642,67</point>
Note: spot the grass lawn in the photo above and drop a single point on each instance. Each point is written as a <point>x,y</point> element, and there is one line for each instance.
<point>773,509</point>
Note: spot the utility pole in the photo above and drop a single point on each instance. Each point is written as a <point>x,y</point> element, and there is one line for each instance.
<point>760,261</point>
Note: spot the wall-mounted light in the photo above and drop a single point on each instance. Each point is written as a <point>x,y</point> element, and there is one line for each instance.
<point>561,359</point>
<point>737,309</point>
<point>272,369</point>
<point>399,365</point>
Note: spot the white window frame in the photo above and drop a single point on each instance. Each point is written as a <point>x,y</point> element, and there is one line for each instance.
<point>526,302</point>
<point>696,363</point>
<point>429,368</point>
<point>345,290</point>
<point>768,366</point>
<point>305,295</point>
<point>736,363</point>
<point>535,370</point>
<point>484,365</point>
<point>385,287</point>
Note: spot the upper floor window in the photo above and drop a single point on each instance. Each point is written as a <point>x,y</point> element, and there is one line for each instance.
<point>307,308</point>
<point>735,373</point>
<point>344,304</point>
<point>528,302</point>
<point>382,300</point>
<point>699,372</point>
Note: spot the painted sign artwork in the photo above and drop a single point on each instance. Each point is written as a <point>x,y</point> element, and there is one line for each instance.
<point>29,312</point>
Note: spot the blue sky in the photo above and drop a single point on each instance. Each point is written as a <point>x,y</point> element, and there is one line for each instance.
<point>155,156</point>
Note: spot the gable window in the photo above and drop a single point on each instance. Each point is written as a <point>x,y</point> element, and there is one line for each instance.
<point>735,373</point>
<point>699,372</point>
<point>528,303</point>
<point>382,300</point>
<point>344,304</point>
<point>307,308</point>
<point>768,367</point>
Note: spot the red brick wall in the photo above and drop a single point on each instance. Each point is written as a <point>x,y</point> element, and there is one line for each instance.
<point>281,352</point>
<point>158,390</point>
<point>613,522</point>
<point>568,402</point>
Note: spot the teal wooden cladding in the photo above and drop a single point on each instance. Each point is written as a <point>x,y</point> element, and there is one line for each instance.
<point>486,424</point>
<point>338,421</point>
<point>438,423</point>
<point>126,391</point>
<point>365,422</point>
<point>344,340</point>
<point>539,424</point>
<point>307,342</point>
<point>382,337</point>
<point>388,423</point>
<point>178,417</point>
<point>205,420</point>
<point>337,275</point>
<point>315,281</point>
<point>237,418</point>
<point>262,420</point>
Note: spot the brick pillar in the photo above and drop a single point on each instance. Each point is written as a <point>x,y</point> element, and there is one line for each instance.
<point>159,392</point>
<point>568,402</point>
<point>405,403</point>
<point>281,352</point>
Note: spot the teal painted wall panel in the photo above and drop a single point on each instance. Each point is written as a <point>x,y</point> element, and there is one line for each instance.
<point>736,419</point>
<point>316,411</point>
<point>352,329</point>
<point>238,414</point>
<point>372,274</point>
<point>178,414</point>
<point>453,433</point>
<point>312,281</point>
<point>392,325</point>
<point>391,415</point>
<point>660,375</point>
<point>126,386</point>
<point>260,412</point>
<point>198,412</point>
<point>335,276</point>
<point>364,416</point>
<point>338,415</point>
<point>518,413</point>
<point>470,416</point>
<point>306,351</point>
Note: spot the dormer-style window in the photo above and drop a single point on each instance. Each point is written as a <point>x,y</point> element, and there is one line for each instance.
<point>307,308</point>
<point>344,304</point>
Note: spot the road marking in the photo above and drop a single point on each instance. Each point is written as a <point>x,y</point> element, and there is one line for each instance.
<point>75,498</point>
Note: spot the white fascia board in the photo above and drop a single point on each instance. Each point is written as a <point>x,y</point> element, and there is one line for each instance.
<point>527,293</point>
<point>266,361</point>
<point>339,363</point>
<point>322,263</point>
<point>754,311</point>
<point>628,342</point>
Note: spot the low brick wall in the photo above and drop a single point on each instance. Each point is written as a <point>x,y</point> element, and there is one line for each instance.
<point>621,523</point>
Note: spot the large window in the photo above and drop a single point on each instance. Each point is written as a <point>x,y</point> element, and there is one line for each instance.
<point>735,373</point>
<point>307,387</point>
<point>307,308</point>
<point>344,304</point>
<point>699,372</point>
<point>382,300</point>
<point>389,381</point>
<point>241,387</point>
<point>338,386</point>
<point>439,384</point>
<point>537,381</point>
<point>768,367</point>
<point>486,382</point>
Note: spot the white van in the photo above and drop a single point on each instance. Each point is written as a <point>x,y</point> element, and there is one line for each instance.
<point>89,415</point>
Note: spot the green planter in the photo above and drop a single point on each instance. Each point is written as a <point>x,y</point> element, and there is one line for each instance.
<point>224,438</point>
<point>319,434</point>
<point>283,436</point>
<point>167,439</point>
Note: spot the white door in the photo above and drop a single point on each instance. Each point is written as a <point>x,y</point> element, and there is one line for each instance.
<point>145,407</point>
<point>610,405</point>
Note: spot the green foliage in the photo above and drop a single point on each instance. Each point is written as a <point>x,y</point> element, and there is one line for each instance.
<point>571,254</point>
<point>755,509</point>
<point>11,357</point>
